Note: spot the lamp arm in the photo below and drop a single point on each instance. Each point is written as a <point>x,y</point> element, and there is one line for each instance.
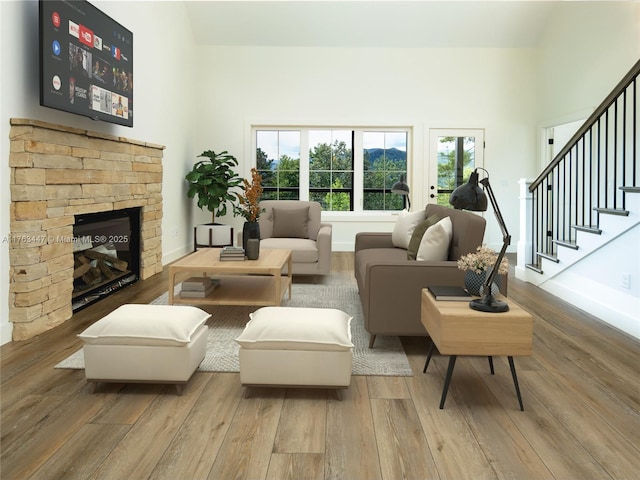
<point>506,238</point>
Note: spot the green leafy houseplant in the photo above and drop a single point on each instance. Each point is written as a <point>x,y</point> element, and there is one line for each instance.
<point>211,180</point>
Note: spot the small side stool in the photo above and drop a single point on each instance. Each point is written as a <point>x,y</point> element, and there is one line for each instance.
<point>146,344</point>
<point>296,347</point>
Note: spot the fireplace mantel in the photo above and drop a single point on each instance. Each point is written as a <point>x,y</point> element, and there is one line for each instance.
<point>58,172</point>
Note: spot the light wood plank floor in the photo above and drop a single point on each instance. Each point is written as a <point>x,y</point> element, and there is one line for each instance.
<point>580,390</point>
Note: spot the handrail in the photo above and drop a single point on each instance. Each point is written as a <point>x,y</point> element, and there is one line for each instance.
<point>586,126</point>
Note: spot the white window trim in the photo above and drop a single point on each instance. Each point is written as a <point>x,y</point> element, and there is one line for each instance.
<point>358,160</point>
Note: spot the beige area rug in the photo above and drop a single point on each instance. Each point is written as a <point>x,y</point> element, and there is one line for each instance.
<point>387,358</point>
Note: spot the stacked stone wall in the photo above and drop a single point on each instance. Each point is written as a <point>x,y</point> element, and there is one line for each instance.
<point>58,172</point>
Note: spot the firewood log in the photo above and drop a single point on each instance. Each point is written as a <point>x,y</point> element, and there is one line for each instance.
<point>118,264</point>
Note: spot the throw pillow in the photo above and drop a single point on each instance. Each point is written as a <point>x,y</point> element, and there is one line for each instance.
<point>404,227</point>
<point>434,245</point>
<point>418,233</point>
<point>291,222</point>
<point>133,324</point>
<point>299,328</point>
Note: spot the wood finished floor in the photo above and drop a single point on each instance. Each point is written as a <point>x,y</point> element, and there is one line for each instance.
<point>580,390</point>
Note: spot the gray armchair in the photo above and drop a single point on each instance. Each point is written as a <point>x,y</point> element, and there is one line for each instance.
<point>296,225</point>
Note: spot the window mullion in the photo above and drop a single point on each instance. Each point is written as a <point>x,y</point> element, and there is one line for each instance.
<point>358,171</point>
<point>304,164</point>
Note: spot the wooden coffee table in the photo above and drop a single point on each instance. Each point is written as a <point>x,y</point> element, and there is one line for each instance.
<point>242,282</point>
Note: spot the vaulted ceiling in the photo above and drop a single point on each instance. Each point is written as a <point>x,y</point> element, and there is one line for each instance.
<point>366,23</point>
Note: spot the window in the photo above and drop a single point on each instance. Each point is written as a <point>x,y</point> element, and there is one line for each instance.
<point>278,161</point>
<point>456,154</point>
<point>384,163</point>
<point>344,169</point>
<point>331,169</point>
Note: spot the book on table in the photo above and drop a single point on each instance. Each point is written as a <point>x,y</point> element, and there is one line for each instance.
<point>199,283</point>
<point>446,292</point>
<point>232,253</point>
<point>198,293</point>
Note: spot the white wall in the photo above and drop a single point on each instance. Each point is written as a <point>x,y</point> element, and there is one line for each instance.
<point>164,106</point>
<point>420,88</point>
<point>586,50</point>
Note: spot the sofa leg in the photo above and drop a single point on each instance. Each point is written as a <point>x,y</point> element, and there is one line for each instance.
<point>372,339</point>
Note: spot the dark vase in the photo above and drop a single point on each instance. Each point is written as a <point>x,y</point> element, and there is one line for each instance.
<point>474,283</point>
<point>250,230</point>
<point>253,248</point>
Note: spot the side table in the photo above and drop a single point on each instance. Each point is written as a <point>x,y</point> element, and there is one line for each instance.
<point>456,329</point>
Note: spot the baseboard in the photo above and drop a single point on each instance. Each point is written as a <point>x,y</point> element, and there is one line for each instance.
<point>175,254</point>
<point>6,333</point>
<point>607,304</point>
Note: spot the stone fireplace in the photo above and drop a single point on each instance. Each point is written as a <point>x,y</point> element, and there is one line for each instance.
<point>58,173</point>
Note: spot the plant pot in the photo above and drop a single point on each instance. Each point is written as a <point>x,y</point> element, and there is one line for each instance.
<point>213,235</point>
<point>474,283</point>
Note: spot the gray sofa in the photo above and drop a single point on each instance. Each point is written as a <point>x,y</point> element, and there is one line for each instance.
<point>390,285</point>
<point>310,244</point>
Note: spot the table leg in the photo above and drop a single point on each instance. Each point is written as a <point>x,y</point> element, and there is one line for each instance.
<point>447,380</point>
<point>515,381</point>
<point>290,274</point>
<point>172,280</point>
<point>491,364</point>
<point>429,354</point>
<point>278,286</point>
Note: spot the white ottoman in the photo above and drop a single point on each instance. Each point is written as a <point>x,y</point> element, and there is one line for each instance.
<point>285,346</point>
<point>146,343</point>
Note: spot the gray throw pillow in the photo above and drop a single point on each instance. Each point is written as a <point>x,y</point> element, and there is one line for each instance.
<point>291,223</point>
<point>418,233</point>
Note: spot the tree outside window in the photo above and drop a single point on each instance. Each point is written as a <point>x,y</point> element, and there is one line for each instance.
<point>329,170</point>
<point>384,163</point>
<point>278,161</point>
<point>456,161</point>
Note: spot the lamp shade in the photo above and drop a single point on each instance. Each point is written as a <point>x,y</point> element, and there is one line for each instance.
<point>400,188</point>
<point>469,196</point>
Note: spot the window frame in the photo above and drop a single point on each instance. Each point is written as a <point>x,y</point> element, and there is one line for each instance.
<point>357,190</point>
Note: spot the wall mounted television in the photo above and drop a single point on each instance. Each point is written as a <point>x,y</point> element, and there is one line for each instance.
<point>86,62</point>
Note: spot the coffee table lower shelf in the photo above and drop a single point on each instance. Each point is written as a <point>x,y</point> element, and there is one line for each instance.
<point>241,290</point>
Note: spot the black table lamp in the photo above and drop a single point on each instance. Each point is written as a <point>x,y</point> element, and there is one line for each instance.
<point>471,197</point>
<point>401,188</point>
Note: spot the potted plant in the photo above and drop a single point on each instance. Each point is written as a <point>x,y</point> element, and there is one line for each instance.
<point>248,207</point>
<point>211,181</point>
<point>477,265</point>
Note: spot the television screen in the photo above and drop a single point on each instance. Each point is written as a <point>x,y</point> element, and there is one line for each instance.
<point>86,62</point>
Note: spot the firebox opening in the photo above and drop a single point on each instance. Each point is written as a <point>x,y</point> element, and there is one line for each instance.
<point>106,254</point>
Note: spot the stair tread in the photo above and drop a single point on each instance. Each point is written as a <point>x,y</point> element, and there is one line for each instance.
<point>613,211</point>
<point>563,243</point>
<point>587,228</point>
<point>534,267</point>
<point>548,256</point>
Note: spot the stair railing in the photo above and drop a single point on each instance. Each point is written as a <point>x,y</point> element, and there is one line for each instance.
<point>589,176</point>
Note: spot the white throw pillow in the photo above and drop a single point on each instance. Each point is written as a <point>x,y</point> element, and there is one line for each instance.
<point>293,328</point>
<point>435,241</point>
<point>160,325</point>
<point>404,227</point>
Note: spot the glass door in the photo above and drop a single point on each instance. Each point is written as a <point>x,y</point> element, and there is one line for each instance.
<point>453,154</point>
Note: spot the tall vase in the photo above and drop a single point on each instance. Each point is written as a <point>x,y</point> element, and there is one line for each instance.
<point>250,230</point>
<point>474,282</point>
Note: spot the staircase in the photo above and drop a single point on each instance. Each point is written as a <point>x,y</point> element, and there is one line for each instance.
<point>580,218</point>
